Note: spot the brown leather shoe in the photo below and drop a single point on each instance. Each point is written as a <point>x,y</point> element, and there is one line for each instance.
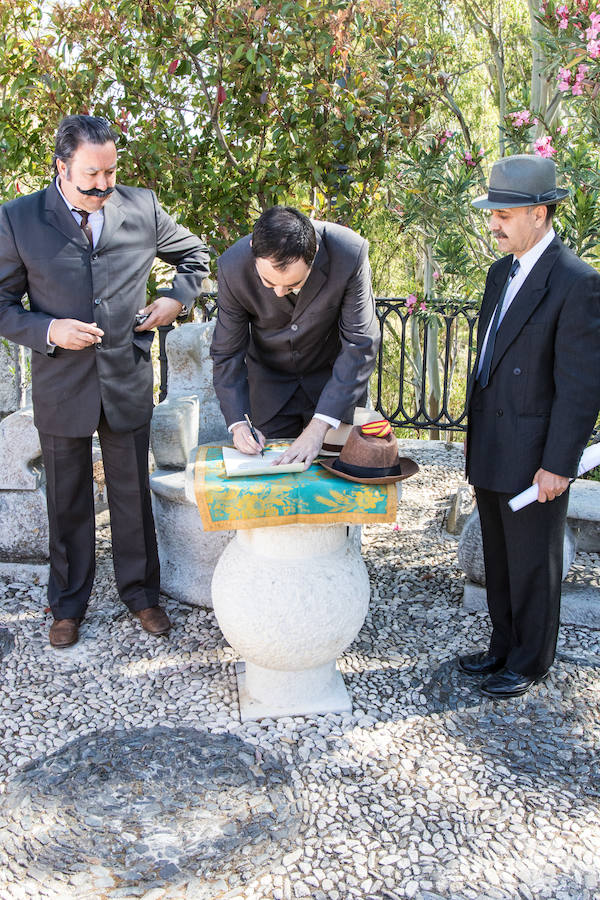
<point>64,632</point>
<point>154,620</point>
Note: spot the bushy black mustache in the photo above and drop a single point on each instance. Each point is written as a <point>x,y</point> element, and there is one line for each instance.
<point>94,192</point>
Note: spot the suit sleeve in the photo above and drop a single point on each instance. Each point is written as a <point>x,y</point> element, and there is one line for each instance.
<point>182,249</point>
<point>359,338</point>
<point>576,377</point>
<point>17,323</point>
<point>228,351</point>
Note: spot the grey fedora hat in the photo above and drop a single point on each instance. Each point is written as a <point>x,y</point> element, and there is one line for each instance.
<point>522,180</point>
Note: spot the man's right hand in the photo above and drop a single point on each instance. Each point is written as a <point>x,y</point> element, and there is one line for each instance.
<point>243,440</point>
<point>71,334</point>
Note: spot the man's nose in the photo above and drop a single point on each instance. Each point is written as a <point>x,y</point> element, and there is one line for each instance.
<point>280,291</point>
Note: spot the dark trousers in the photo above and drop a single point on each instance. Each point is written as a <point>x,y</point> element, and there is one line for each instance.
<point>70,498</point>
<point>290,421</point>
<point>523,554</point>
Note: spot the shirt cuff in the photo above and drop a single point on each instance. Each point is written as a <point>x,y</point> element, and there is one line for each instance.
<point>49,343</point>
<point>233,424</point>
<point>329,419</point>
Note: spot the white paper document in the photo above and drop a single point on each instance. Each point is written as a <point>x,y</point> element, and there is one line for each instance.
<point>590,458</point>
<point>237,463</point>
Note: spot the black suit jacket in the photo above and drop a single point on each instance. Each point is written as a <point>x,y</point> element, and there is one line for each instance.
<point>265,346</point>
<point>543,396</point>
<point>44,254</point>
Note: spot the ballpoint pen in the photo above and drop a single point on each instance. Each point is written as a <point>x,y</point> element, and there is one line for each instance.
<point>253,432</point>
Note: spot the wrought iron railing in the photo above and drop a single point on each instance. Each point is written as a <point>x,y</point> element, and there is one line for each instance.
<point>422,367</point>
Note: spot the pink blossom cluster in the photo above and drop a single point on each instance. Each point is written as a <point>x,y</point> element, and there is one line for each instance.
<point>523,117</point>
<point>562,14</point>
<point>543,146</point>
<point>412,302</point>
<point>591,34</point>
<point>469,160</point>
<point>565,75</point>
<point>446,136</point>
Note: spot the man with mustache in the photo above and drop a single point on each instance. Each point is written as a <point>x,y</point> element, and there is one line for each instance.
<point>82,250</point>
<point>533,399</point>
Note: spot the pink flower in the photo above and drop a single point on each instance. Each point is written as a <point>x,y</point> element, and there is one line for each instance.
<point>593,49</point>
<point>410,303</point>
<point>521,118</point>
<point>436,275</point>
<point>564,79</point>
<point>448,133</point>
<point>563,130</point>
<point>481,151</point>
<point>577,90</point>
<point>423,306</point>
<point>543,146</point>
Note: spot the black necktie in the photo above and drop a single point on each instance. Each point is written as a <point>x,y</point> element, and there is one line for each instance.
<point>486,365</point>
<point>84,225</point>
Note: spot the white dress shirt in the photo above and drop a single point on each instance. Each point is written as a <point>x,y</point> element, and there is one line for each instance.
<point>526,264</point>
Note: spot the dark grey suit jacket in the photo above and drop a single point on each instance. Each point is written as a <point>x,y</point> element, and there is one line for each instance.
<point>265,346</point>
<point>44,254</point>
<point>543,396</point>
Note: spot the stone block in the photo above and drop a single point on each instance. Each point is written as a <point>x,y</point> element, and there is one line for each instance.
<point>470,550</point>
<point>580,604</point>
<point>583,514</point>
<point>191,374</point>
<point>23,526</point>
<point>20,452</point>
<point>174,431</point>
<point>9,389</point>
<point>461,508</point>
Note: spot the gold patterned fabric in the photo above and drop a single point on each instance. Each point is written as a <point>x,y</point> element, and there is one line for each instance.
<point>315,496</point>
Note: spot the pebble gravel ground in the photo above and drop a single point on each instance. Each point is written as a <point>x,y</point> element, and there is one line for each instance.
<point>125,771</point>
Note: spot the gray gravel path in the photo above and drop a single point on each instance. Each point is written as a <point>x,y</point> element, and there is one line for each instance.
<point>125,771</point>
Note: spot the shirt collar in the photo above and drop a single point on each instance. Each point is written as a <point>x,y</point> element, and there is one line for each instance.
<point>529,259</point>
<point>70,205</point>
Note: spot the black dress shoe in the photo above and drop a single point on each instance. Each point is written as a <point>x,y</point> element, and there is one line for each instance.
<point>480,663</point>
<point>505,684</point>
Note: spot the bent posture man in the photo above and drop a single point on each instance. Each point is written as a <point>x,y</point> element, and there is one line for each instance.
<point>297,334</point>
<point>82,250</point>
<point>533,399</point>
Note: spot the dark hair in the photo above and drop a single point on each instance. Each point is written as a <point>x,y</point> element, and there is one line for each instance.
<point>76,130</point>
<point>284,235</point>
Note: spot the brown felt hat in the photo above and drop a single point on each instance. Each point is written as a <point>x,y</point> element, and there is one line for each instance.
<point>337,437</point>
<point>371,458</point>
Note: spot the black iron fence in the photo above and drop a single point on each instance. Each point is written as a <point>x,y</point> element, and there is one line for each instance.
<point>422,367</point>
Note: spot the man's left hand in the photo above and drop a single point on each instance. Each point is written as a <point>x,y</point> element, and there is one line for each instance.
<point>549,485</point>
<point>306,447</point>
<point>163,311</point>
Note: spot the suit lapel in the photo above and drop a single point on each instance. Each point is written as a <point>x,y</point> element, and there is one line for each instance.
<point>530,295</point>
<point>315,280</point>
<point>59,216</point>
<point>113,217</point>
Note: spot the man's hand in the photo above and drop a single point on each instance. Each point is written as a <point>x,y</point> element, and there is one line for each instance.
<point>244,442</point>
<point>71,334</point>
<point>306,447</point>
<point>163,311</point>
<point>549,485</point>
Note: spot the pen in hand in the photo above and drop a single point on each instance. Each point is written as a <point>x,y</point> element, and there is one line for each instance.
<point>253,432</point>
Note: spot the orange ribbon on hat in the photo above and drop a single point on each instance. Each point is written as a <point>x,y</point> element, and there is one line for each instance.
<point>380,428</point>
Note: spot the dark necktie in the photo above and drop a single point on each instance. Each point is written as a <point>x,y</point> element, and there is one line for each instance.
<point>84,225</point>
<point>486,365</point>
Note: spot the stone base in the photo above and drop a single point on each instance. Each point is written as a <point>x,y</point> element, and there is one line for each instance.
<point>580,604</point>
<point>188,554</point>
<point>25,572</point>
<point>301,699</point>
<point>584,514</point>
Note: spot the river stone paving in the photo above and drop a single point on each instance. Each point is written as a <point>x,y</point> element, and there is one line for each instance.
<point>428,790</point>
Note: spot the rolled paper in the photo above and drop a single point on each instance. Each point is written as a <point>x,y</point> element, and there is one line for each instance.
<point>380,428</point>
<point>590,458</point>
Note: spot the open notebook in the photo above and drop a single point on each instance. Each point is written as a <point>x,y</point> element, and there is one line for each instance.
<point>237,463</point>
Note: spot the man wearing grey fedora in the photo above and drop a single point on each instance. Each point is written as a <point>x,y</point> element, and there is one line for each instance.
<point>532,400</point>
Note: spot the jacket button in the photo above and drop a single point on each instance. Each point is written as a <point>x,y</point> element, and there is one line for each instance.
<point>499,412</point>
<point>294,327</point>
<point>516,371</point>
<point>94,256</point>
<point>97,301</point>
<point>99,345</point>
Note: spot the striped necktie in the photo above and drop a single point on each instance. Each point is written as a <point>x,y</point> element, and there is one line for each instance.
<point>486,364</point>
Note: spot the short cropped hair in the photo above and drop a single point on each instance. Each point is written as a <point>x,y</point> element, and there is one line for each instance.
<point>76,130</point>
<point>284,235</point>
<point>550,210</point>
